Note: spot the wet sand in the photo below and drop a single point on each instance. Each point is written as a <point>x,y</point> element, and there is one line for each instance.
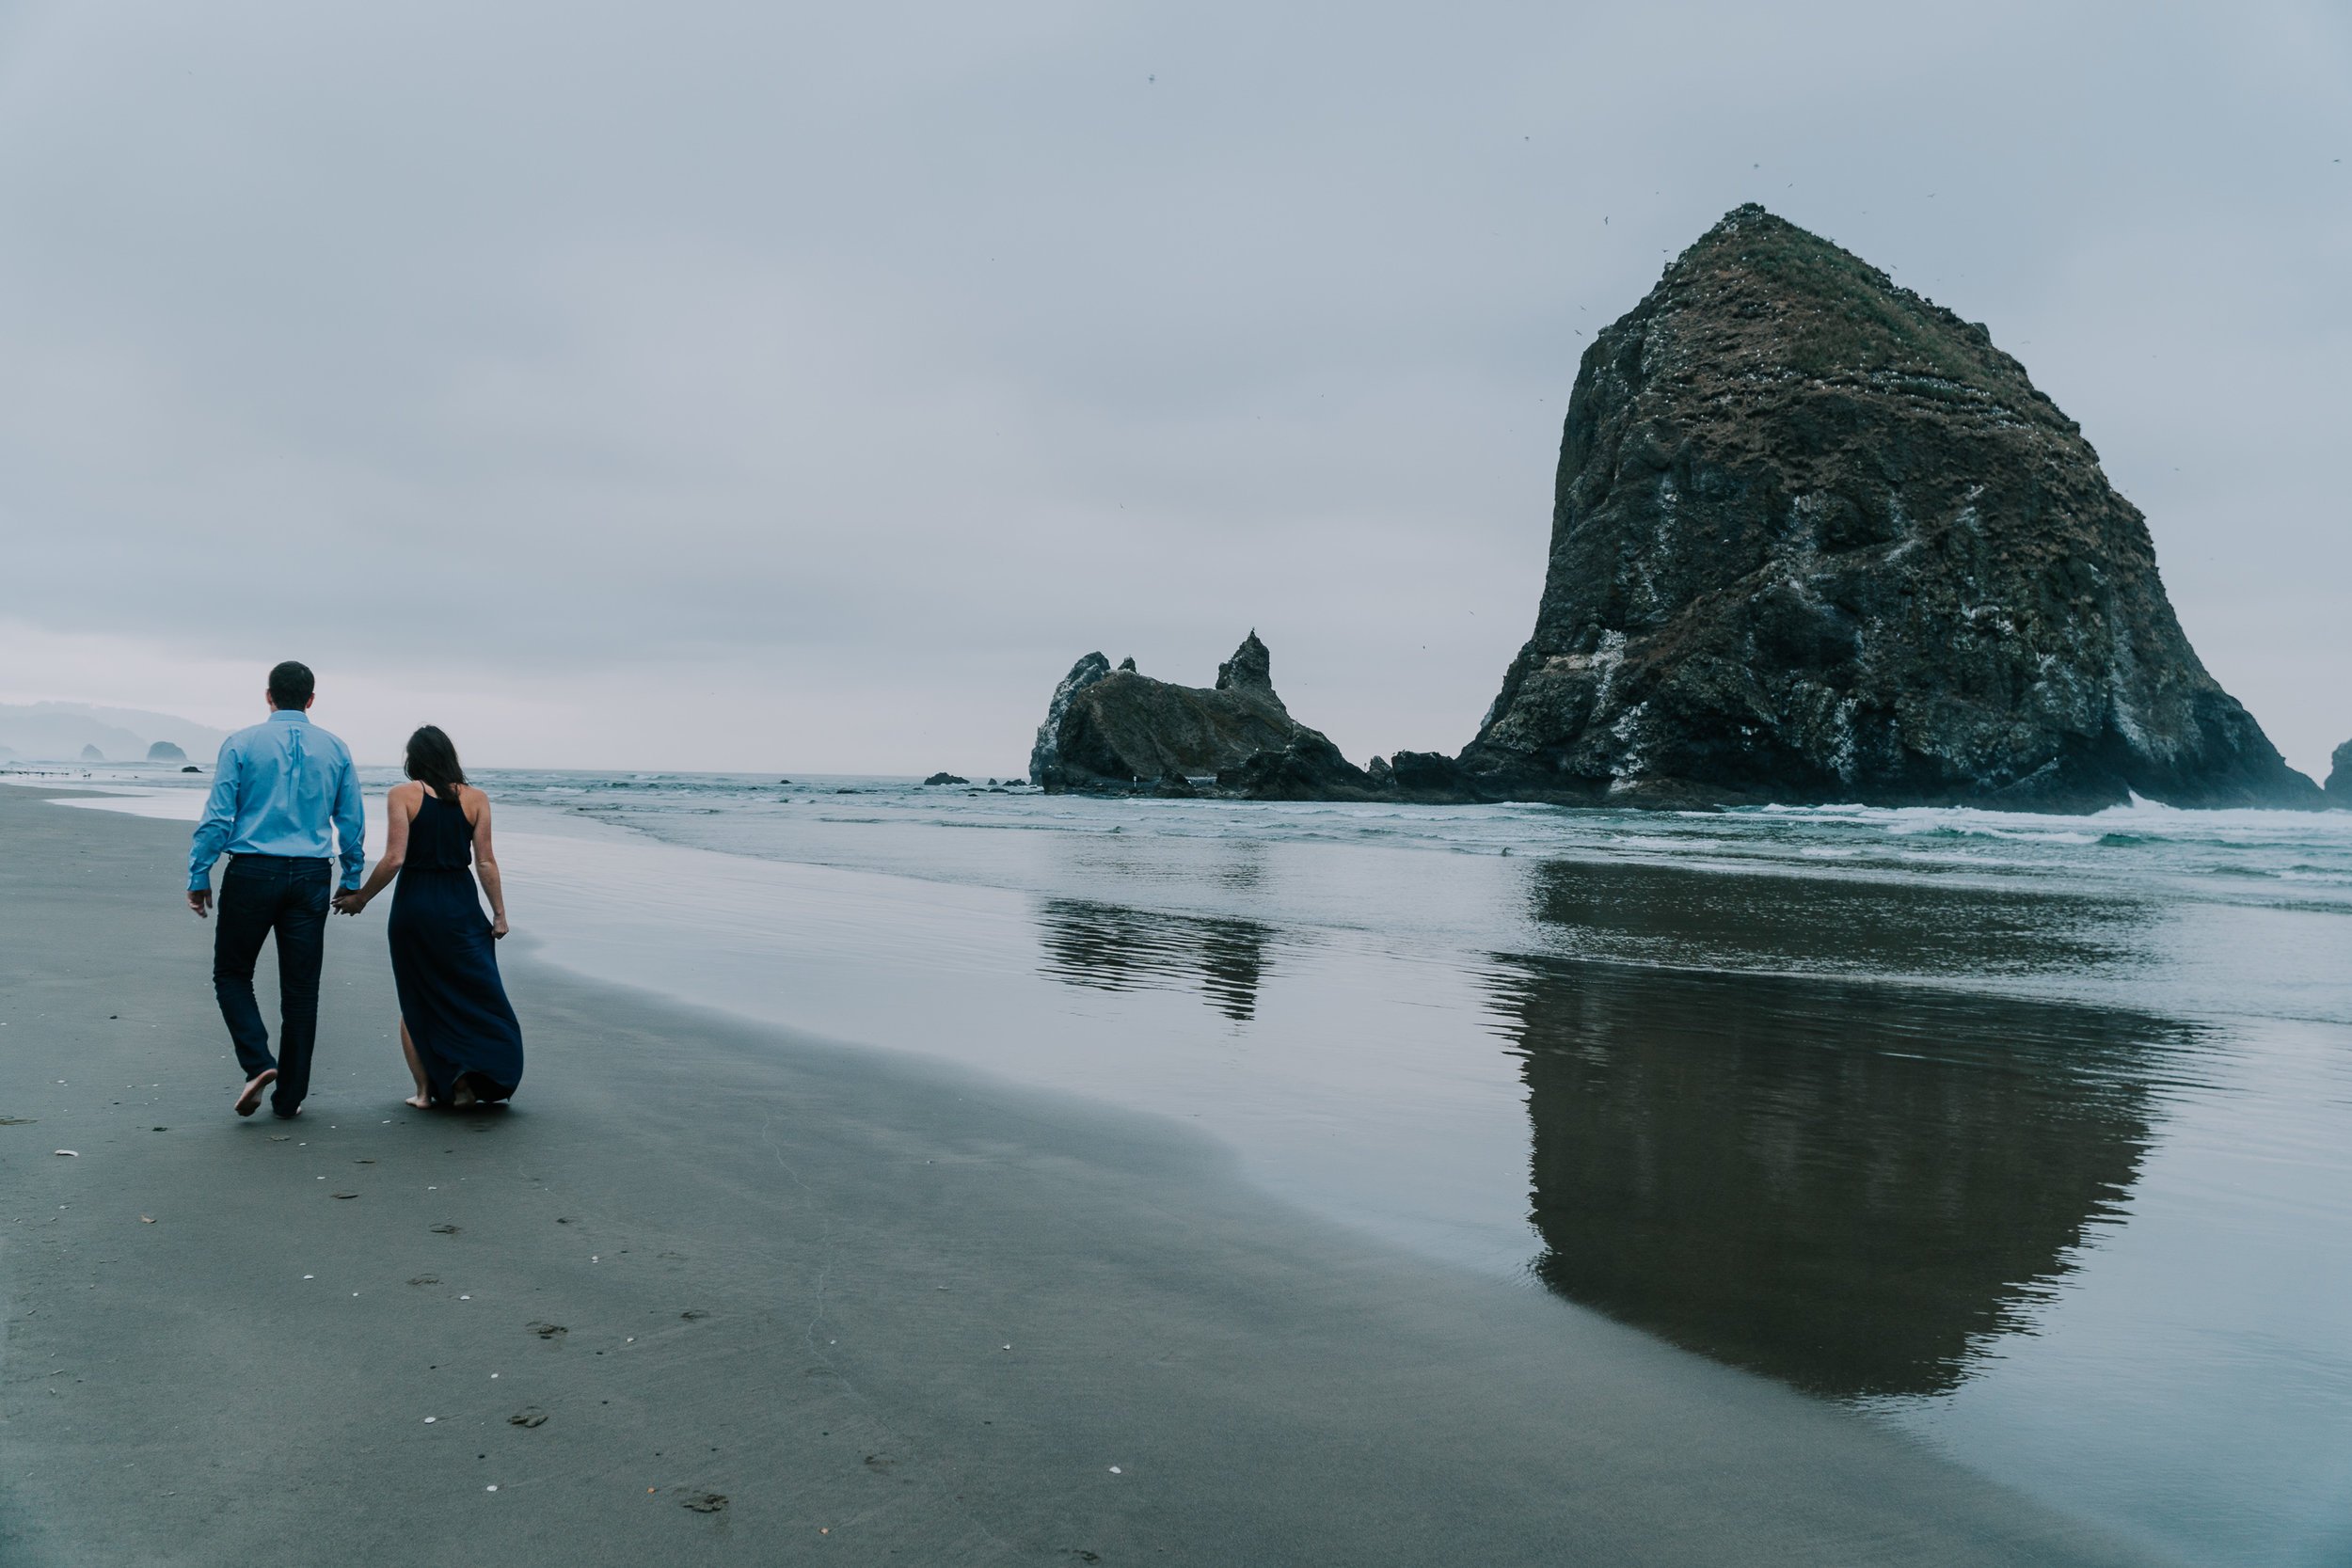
<point>727,1262</point>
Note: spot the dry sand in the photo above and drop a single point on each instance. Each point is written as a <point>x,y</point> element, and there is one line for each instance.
<point>884,1312</point>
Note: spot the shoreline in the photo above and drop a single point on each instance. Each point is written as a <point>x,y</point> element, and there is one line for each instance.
<point>784,1272</point>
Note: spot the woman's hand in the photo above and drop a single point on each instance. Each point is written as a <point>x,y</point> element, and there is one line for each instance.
<point>498,927</point>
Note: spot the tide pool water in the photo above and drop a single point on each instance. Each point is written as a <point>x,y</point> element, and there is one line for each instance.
<point>2025,1135</point>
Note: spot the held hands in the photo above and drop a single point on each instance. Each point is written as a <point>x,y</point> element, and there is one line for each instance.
<point>350,901</point>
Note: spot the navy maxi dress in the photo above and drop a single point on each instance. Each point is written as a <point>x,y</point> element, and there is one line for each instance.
<point>445,964</point>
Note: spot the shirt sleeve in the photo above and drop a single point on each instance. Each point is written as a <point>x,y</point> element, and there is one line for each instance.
<point>351,824</point>
<point>220,816</point>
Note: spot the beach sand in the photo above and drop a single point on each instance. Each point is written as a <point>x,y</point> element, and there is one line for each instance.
<point>886,1311</point>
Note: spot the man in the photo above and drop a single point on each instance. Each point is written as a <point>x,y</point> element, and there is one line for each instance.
<point>277,789</point>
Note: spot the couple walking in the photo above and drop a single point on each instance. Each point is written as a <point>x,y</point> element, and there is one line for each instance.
<point>285,807</point>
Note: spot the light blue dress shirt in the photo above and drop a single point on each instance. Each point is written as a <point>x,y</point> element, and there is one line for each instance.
<point>280,788</point>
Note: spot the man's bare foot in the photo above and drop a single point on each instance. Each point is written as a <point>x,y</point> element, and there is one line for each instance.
<point>250,1100</point>
<point>419,1101</point>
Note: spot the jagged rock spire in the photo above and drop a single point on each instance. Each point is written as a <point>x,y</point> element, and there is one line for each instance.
<point>1251,668</point>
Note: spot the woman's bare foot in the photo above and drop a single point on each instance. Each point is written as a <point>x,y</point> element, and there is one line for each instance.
<point>462,1095</point>
<point>423,1099</point>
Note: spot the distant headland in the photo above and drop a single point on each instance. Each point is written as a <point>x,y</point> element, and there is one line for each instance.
<point>87,733</point>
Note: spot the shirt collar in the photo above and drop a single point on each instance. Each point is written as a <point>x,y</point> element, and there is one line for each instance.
<point>289,716</point>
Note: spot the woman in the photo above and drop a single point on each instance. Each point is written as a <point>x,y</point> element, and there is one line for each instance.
<point>463,1044</point>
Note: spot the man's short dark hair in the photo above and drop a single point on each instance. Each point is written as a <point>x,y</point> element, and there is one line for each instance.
<point>290,685</point>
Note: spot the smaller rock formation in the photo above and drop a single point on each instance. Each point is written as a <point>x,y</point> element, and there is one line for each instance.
<point>164,751</point>
<point>2339,786</point>
<point>191,768</point>
<point>1121,729</point>
<point>91,753</point>
<point>946,779</point>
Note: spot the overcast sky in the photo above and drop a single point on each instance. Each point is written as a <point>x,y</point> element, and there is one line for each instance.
<point>782,388</point>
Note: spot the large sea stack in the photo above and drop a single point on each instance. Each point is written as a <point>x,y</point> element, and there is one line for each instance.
<point>1815,538</point>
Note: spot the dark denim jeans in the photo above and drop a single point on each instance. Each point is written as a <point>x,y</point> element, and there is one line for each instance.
<point>261,894</point>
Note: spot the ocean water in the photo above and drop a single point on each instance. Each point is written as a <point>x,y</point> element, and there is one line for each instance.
<point>2025,1135</point>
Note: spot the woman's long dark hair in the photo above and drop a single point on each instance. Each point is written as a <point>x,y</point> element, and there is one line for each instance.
<point>432,762</point>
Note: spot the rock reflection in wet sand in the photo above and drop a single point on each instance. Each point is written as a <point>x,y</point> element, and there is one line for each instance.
<point>1648,912</point>
<point>1853,1187</point>
<point>1111,947</point>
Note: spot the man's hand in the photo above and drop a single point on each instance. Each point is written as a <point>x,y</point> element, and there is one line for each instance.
<point>349,901</point>
<point>201,901</point>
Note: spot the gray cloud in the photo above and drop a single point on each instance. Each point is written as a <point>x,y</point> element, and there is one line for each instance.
<point>742,386</point>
